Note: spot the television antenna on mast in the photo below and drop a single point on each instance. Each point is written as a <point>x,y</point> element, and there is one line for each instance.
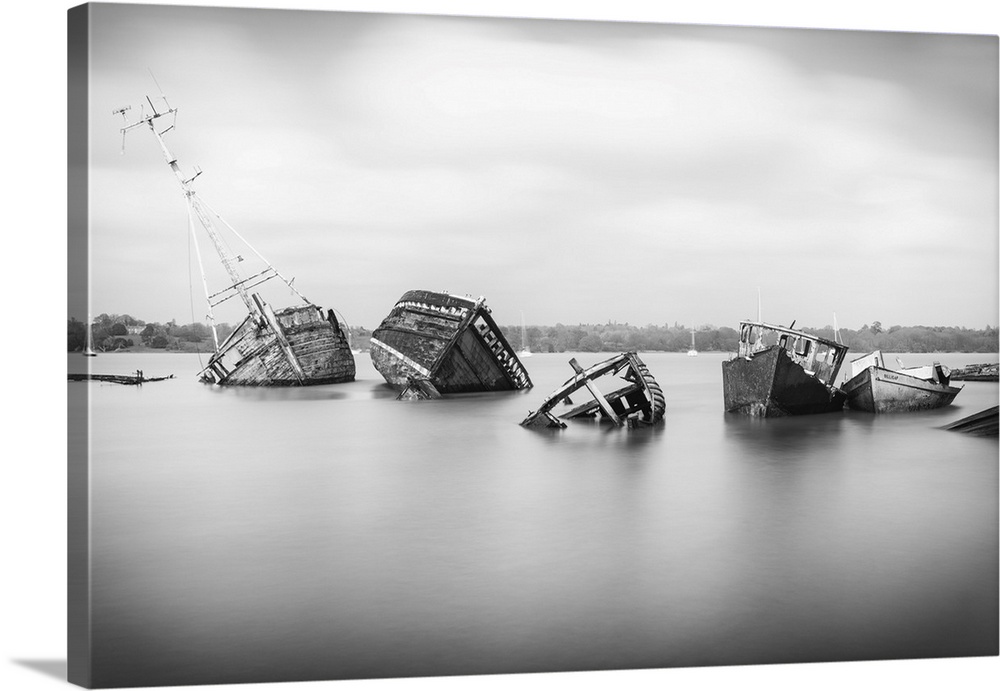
<point>239,286</point>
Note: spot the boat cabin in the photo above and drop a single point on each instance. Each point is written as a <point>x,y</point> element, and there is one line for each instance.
<point>819,357</point>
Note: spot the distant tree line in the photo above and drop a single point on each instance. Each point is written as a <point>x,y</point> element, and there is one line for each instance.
<point>112,332</point>
<point>614,337</point>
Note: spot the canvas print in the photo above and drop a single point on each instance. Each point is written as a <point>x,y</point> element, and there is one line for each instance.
<point>421,346</point>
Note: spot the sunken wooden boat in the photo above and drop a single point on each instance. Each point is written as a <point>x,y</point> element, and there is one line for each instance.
<point>640,402</point>
<point>989,371</point>
<point>779,371</point>
<point>294,346</point>
<point>985,423</point>
<point>875,388</point>
<point>126,379</point>
<point>433,344</point>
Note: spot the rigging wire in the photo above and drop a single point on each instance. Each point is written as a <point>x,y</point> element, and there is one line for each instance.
<point>201,365</point>
<point>258,254</point>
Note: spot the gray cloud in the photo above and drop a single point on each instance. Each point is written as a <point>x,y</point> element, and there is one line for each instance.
<point>370,154</point>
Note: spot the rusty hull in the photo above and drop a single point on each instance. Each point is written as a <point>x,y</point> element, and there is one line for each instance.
<point>780,371</point>
<point>771,384</point>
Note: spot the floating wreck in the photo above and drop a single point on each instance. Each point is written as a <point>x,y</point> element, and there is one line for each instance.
<point>294,346</point>
<point>779,371</point>
<point>127,379</point>
<point>640,402</point>
<point>988,371</point>
<point>435,343</point>
<point>875,388</point>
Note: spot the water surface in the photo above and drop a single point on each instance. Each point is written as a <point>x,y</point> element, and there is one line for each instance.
<point>334,532</point>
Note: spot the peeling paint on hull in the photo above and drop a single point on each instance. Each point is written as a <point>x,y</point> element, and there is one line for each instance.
<point>254,355</point>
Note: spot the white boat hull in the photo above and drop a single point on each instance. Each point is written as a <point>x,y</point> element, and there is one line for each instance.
<point>879,390</point>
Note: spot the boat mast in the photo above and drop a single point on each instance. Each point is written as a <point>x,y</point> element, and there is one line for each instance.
<point>195,205</point>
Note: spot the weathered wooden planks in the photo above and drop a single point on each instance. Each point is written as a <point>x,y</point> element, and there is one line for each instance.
<point>449,341</point>
<point>295,346</point>
<point>127,379</point>
<point>641,402</point>
<point>985,423</point>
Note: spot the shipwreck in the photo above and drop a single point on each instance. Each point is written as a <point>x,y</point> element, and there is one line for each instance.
<point>433,344</point>
<point>985,423</point>
<point>779,371</point>
<point>987,371</point>
<point>639,403</point>
<point>298,345</point>
<point>875,388</point>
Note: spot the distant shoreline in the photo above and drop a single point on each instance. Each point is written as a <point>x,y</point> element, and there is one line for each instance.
<point>174,351</point>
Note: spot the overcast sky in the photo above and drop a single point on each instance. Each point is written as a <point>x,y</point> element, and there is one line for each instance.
<point>574,171</point>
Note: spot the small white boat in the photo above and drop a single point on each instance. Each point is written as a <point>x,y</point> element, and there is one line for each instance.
<point>525,350</point>
<point>875,388</point>
<point>88,347</point>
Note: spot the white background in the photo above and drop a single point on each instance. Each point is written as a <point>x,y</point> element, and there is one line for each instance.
<point>33,485</point>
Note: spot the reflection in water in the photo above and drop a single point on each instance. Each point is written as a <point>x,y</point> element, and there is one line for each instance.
<point>334,532</point>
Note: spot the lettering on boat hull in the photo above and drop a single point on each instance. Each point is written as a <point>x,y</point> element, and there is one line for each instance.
<point>874,388</point>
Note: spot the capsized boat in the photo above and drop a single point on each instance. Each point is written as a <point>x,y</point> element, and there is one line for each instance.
<point>293,346</point>
<point>779,371</point>
<point>432,344</point>
<point>875,388</point>
<point>639,402</point>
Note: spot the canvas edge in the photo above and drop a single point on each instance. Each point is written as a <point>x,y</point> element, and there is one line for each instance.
<point>78,643</point>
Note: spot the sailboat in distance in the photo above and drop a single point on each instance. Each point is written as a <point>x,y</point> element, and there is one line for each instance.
<point>525,350</point>
<point>693,352</point>
<point>88,343</point>
<point>293,346</point>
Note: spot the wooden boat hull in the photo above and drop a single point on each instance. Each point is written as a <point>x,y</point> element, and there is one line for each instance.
<point>982,372</point>
<point>879,390</point>
<point>770,384</point>
<point>640,402</point>
<point>449,341</point>
<point>295,346</point>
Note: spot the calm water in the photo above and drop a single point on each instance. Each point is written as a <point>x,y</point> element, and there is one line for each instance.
<point>334,532</point>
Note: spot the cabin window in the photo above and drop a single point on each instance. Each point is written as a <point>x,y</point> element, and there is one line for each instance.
<point>802,347</point>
